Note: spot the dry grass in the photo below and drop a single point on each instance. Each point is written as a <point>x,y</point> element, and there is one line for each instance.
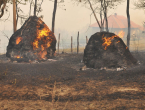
<point>68,50</point>
<point>57,86</point>
<point>100,96</point>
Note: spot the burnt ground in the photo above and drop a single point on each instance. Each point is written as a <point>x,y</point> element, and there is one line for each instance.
<point>58,84</point>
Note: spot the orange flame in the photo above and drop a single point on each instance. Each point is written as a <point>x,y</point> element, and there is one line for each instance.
<point>42,40</point>
<point>18,40</point>
<point>18,56</point>
<point>42,48</point>
<point>118,41</point>
<point>42,54</point>
<point>121,34</point>
<point>40,36</point>
<point>108,41</point>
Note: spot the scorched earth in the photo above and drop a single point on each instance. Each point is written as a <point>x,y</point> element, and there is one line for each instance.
<point>58,84</point>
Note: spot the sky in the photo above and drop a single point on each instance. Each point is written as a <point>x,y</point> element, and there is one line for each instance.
<point>75,16</point>
<point>70,16</point>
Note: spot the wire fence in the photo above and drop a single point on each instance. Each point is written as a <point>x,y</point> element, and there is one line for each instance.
<point>65,47</point>
<point>77,45</point>
<point>71,45</point>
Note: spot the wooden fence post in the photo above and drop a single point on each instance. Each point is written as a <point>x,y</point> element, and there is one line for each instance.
<point>58,42</point>
<point>78,43</point>
<point>71,44</point>
<point>86,40</point>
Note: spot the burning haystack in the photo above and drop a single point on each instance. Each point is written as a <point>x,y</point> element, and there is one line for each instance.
<point>107,50</point>
<point>33,41</point>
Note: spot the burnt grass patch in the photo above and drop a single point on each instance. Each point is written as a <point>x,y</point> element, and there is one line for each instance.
<point>59,84</point>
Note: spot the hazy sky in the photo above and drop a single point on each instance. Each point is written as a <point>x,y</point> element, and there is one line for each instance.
<point>72,20</point>
<point>75,16</point>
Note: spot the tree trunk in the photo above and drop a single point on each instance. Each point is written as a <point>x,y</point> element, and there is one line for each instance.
<point>17,13</point>
<point>128,18</point>
<point>54,13</point>
<point>102,20</point>
<point>2,9</point>
<point>106,22</point>
<point>94,14</point>
<point>30,8</point>
<point>14,15</point>
<point>105,15</point>
<point>35,7</point>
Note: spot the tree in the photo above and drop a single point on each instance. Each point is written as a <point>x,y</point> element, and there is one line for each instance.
<point>3,4</point>
<point>54,13</point>
<point>140,4</point>
<point>103,9</point>
<point>14,15</point>
<point>128,19</point>
<point>35,7</point>
<point>94,13</point>
<point>104,5</point>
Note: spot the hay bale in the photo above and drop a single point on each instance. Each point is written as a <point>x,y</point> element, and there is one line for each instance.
<point>33,41</point>
<point>99,54</point>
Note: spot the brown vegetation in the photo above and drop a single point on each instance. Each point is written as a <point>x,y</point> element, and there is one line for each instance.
<point>58,84</point>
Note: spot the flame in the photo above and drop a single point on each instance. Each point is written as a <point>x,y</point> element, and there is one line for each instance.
<point>42,47</point>
<point>42,54</point>
<point>118,41</point>
<point>42,40</point>
<point>40,36</point>
<point>108,41</point>
<point>18,56</point>
<point>18,40</point>
<point>35,44</point>
<point>121,34</point>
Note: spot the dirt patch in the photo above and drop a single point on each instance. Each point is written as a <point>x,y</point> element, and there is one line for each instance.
<point>59,85</point>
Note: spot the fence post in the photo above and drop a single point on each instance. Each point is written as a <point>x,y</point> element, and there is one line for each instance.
<point>86,40</point>
<point>78,43</point>
<point>71,44</point>
<point>58,42</point>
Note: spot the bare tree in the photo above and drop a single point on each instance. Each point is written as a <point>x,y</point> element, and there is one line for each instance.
<point>102,9</point>
<point>140,4</point>
<point>104,5</point>
<point>3,4</point>
<point>20,13</point>
<point>14,16</point>
<point>35,7</point>
<point>128,19</point>
<point>94,14</point>
<point>54,13</point>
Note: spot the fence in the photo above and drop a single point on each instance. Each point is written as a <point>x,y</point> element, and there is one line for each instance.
<point>71,44</point>
<point>76,44</point>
